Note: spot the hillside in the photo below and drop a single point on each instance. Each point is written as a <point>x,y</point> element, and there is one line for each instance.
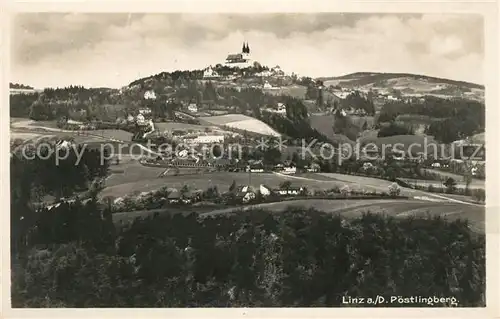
<point>408,84</point>
<point>240,122</point>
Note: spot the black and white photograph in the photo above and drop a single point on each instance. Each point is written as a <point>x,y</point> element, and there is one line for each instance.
<point>247,160</point>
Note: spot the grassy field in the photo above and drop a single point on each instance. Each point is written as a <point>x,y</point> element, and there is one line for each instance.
<point>458,178</point>
<point>132,177</point>
<point>170,126</point>
<point>346,208</point>
<point>437,184</point>
<point>398,208</point>
<point>240,122</point>
<point>296,91</point>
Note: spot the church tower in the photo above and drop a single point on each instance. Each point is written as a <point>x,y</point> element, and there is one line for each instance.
<point>246,50</point>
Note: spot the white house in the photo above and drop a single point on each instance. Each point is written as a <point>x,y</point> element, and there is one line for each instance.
<point>280,109</point>
<point>130,118</point>
<point>264,191</point>
<point>289,170</point>
<point>367,166</point>
<point>207,139</point>
<point>140,119</point>
<point>267,85</point>
<point>290,191</point>
<point>193,108</point>
<point>265,73</point>
<point>150,95</point>
<point>145,111</point>
<point>209,73</point>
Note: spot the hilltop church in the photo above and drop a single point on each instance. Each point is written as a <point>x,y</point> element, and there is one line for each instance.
<point>240,60</point>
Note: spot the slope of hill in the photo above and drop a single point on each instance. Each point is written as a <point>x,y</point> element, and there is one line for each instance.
<point>408,84</point>
<point>240,122</point>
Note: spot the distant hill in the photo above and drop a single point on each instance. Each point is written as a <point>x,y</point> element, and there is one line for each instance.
<point>408,84</point>
<point>20,86</point>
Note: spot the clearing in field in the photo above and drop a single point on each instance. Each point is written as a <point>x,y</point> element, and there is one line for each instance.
<point>241,122</point>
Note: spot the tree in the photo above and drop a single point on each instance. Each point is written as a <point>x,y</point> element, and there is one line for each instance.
<point>345,190</point>
<point>394,189</point>
<point>232,188</point>
<point>285,185</point>
<point>467,175</point>
<point>450,185</point>
<point>184,190</point>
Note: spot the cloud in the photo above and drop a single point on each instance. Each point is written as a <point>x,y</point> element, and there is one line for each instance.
<point>56,49</point>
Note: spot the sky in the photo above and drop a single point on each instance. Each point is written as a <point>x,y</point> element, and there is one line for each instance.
<point>113,49</point>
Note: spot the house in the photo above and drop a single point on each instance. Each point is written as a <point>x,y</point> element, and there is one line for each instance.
<point>174,196</point>
<point>289,169</point>
<point>206,139</point>
<point>268,86</point>
<point>367,166</point>
<point>265,74</point>
<point>63,144</point>
<point>145,111</point>
<point>290,191</point>
<point>436,165</point>
<point>76,125</point>
<point>255,167</point>
<point>191,196</point>
<point>264,190</point>
<point>246,193</point>
<point>149,95</point>
<point>140,119</point>
<point>313,168</point>
<point>130,118</point>
<point>193,108</point>
<point>210,73</point>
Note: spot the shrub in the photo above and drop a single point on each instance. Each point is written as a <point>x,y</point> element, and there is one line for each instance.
<point>345,190</point>
<point>394,189</point>
<point>479,194</point>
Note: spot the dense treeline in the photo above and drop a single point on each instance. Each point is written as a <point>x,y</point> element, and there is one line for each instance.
<point>394,129</point>
<point>257,258</point>
<point>434,107</point>
<point>357,101</point>
<point>35,175</point>
<point>20,86</point>
<point>460,118</point>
